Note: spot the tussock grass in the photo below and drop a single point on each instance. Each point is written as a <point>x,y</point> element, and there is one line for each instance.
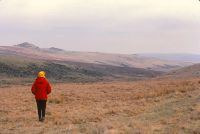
<point>146,107</point>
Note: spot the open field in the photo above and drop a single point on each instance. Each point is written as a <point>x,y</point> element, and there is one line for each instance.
<point>143,107</point>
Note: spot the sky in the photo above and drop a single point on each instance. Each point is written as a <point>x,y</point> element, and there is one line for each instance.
<point>113,26</point>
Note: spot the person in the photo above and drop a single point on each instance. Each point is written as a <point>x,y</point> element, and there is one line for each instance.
<point>41,88</point>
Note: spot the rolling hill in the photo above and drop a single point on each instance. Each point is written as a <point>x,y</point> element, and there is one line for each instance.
<point>186,72</point>
<point>26,59</point>
<point>31,51</point>
<point>184,57</point>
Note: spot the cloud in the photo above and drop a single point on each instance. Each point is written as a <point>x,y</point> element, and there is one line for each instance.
<point>124,26</point>
<point>80,8</point>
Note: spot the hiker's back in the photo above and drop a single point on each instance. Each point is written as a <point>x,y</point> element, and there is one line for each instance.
<point>41,88</point>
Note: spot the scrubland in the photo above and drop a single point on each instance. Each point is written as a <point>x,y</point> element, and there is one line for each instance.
<point>142,107</point>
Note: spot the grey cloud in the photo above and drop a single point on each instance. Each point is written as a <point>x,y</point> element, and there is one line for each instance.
<point>105,33</point>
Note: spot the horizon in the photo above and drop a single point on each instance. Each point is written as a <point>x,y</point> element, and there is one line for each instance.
<point>151,53</point>
<point>106,26</point>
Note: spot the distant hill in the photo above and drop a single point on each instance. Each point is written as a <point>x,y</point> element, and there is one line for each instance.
<point>70,71</point>
<point>31,51</point>
<point>27,45</point>
<point>25,60</point>
<point>195,58</point>
<point>186,72</point>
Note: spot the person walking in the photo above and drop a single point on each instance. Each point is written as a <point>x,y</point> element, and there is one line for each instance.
<point>41,88</point>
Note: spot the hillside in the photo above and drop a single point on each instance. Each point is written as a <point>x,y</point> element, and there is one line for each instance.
<point>26,59</point>
<point>24,70</point>
<point>31,51</point>
<point>186,72</point>
<point>143,107</point>
<point>184,57</point>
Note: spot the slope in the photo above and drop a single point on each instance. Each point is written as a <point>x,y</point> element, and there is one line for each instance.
<point>31,51</point>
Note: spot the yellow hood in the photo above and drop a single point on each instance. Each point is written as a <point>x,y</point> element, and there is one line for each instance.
<point>41,74</point>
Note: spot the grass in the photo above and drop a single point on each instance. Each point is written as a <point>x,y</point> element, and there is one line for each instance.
<point>143,107</point>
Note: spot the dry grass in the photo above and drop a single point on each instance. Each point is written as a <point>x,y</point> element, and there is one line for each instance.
<point>144,107</point>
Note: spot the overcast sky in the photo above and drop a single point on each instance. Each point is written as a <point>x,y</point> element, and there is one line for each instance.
<point>116,26</point>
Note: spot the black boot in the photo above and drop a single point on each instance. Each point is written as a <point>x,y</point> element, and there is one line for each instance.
<point>43,118</point>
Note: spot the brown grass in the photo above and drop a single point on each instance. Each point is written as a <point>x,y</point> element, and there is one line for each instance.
<point>144,107</point>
